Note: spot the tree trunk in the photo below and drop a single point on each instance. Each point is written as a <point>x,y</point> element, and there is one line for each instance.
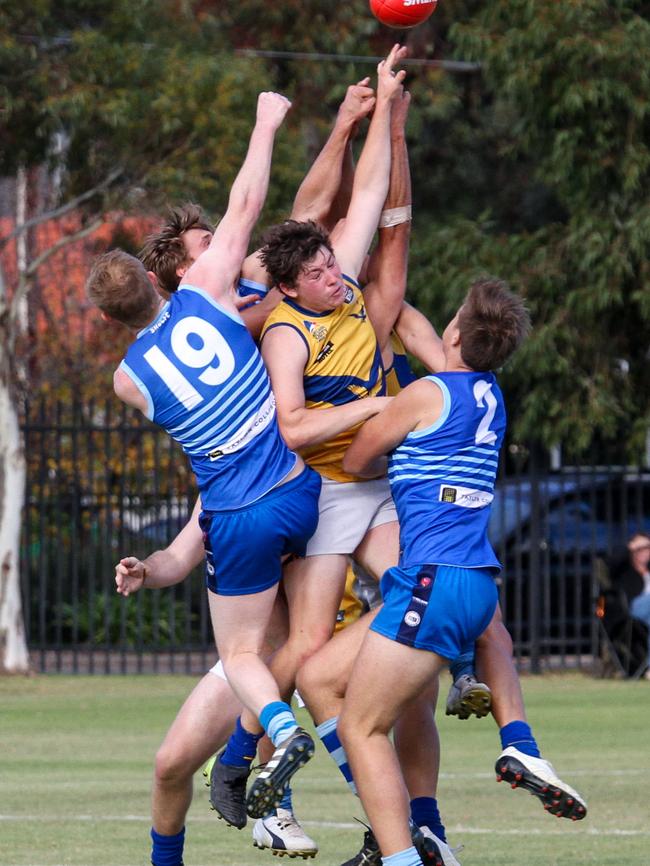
<point>14,657</point>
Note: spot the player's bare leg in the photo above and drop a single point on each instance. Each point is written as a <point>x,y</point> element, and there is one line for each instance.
<point>240,624</point>
<point>322,684</point>
<point>417,744</point>
<point>202,726</point>
<point>520,762</point>
<point>313,587</point>
<point>495,666</point>
<point>384,679</point>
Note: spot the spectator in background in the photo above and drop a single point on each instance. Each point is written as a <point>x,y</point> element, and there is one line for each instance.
<point>634,580</point>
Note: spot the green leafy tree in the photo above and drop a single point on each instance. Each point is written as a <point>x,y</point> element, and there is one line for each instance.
<point>557,136</point>
<point>128,105</point>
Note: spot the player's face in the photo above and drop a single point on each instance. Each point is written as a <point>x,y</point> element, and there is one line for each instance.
<point>319,286</point>
<point>195,241</point>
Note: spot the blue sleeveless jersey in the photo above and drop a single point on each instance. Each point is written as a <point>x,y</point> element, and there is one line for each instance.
<point>442,477</point>
<point>206,384</point>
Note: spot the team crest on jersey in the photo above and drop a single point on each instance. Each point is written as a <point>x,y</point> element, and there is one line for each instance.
<point>448,494</point>
<point>349,296</point>
<point>318,332</point>
<point>412,618</point>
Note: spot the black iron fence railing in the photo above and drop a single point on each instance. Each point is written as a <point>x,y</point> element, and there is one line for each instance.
<point>103,483</point>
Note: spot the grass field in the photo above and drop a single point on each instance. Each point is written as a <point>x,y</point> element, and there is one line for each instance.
<point>76,755</point>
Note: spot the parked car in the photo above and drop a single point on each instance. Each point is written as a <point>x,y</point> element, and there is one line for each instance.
<point>547,531</point>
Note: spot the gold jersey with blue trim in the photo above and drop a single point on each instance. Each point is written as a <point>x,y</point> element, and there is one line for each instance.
<point>399,374</point>
<point>343,364</point>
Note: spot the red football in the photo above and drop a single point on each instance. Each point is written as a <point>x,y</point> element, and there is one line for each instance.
<point>401,14</point>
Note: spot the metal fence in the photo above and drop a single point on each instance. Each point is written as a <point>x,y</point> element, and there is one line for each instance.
<point>103,483</point>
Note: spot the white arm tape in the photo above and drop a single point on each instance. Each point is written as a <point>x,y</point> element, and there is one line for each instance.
<point>394,216</point>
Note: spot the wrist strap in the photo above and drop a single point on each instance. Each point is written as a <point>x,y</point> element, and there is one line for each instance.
<point>395,216</point>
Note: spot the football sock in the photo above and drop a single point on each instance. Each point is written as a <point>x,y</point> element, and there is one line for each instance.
<point>519,735</point>
<point>425,813</point>
<point>408,857</point>
<point>330,739</point>
<point>167,850</point>
<point>462,664</point>
<point>278,721</point>
<point>241,747</point>
<point>286,803</point>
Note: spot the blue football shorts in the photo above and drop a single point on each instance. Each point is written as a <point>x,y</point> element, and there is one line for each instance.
<point>244,547</point>
<point>440,608</point>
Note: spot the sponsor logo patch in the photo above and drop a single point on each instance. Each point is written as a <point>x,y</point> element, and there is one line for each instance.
<point>327,349</point>
<point>412,618</point>
<point>465,497</point>
<point>161,321</point>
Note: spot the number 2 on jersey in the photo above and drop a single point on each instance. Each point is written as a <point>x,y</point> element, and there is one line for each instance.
<point>485,399</point>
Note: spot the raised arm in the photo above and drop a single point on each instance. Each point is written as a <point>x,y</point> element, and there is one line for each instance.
<point>320,195</point>
<point>372,174</point>
<point>216,269</point>
<point>420,338</point>
<point>324,194</point>
<point>166,567</point>
<point>384,293</point>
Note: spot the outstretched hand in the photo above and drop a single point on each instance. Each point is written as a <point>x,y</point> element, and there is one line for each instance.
<point>389,82</point>
<point>358,103</point>
<point>130,573</point>
<point>272,108</point>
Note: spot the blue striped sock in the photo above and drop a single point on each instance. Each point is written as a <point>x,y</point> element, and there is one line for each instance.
<point>278,721</point>
<point>167,850</point>
<point>330,739</point>
<point>408,857</point>
<point>286,803</point>
<point>519,735</point>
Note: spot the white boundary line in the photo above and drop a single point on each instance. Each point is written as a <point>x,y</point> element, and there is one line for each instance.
<point>458,829</point>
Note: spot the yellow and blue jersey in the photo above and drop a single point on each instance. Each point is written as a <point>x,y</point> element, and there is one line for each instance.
<point>399,374</point>
<point>343,364</point>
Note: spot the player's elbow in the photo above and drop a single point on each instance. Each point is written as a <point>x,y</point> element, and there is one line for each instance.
<point>294,436</point>
<point>352,464</point>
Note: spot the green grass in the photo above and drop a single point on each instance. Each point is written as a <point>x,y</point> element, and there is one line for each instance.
<point>76,755</point>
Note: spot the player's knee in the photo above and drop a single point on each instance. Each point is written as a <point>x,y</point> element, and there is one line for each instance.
<point>354,729</point>
<point>314,679</point>
<point>171,766</point>
<point>347,729</point>
<point>306,645</point>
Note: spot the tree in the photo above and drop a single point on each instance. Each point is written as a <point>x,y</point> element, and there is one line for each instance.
<point>108,105</point>
<point>554,144</point>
